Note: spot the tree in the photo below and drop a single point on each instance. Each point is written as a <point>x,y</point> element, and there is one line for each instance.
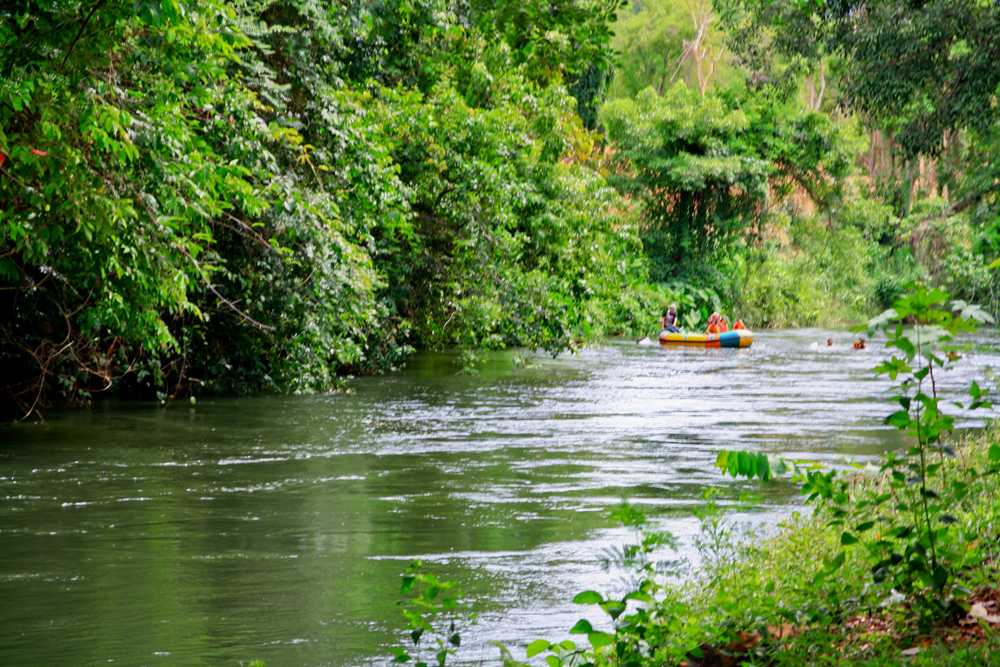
<point>266,195</point>
<point>705,169</point>
<point>660,42</point>
<point>921,70</point>
<point>679,156</point>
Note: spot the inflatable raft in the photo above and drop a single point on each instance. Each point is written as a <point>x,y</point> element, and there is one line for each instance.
<point>737,338</point>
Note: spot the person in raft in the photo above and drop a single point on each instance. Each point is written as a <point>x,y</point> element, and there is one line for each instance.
<point>669,319</point>
<point>717,324</point>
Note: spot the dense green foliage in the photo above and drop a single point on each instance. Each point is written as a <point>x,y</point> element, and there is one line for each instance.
<point>921,71</point>
<point>676,156</point>
<point>269,195</point>
<point>923,82</point>
<point>703,167</point>
<point>266,195</point>
<point>878,175</point>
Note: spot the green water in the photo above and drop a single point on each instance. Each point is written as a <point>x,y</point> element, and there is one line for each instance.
<point>275,528</point>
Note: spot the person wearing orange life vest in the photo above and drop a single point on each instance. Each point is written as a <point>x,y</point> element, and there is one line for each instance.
<point>716,324</point>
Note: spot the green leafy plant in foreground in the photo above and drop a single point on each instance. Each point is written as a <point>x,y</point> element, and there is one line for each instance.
<point>431,609</point>
<point>635,616</point>
<point>904,519</point>
<point>648,624</point>
<point>916,552</point>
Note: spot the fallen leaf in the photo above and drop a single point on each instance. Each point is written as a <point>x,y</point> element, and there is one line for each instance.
<point>910,652</point>
<point>979,611</point>
<point>782,631</point>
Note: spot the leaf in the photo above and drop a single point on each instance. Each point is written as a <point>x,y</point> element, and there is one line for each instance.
<point>745,465</point>
<point>893,368</point>
<point>864,525</point>
<point>599,639</point>
<point>763,470</point>
<point>536,647</point>
<point>749,465</point>
<point>905,346</point>
<point>979,611</point>
<point>588,597</point>
<point>582,627</point>
<point>994,453</point>
<point>900,419</point>
<point>847,539</point>
<point>8,269</point>
<point>613,608</point>
<point>553,661</point>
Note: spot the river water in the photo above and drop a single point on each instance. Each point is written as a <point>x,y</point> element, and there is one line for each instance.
<point>275,528</point>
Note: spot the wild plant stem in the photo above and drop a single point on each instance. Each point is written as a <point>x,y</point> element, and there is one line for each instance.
<point>921,445</point>
<point>930,372</point>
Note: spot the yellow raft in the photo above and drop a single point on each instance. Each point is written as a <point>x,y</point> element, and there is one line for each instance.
<point>737,338</point>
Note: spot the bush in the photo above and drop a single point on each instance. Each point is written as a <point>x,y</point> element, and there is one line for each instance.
<point>820,277</point>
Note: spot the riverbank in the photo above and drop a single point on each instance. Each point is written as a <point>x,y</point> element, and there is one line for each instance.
<point>779,601</point>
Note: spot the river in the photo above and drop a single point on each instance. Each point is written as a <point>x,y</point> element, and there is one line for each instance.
<point>275,528</point>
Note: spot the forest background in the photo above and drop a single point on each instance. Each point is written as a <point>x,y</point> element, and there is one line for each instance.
<point>269,195</point>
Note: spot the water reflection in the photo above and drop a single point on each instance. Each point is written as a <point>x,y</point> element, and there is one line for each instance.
<point>275,528</point>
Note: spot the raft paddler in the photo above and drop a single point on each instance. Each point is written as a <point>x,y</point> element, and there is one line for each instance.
<point>669,319</point>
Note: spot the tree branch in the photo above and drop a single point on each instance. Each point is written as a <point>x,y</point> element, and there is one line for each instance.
<point>79,33</point>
